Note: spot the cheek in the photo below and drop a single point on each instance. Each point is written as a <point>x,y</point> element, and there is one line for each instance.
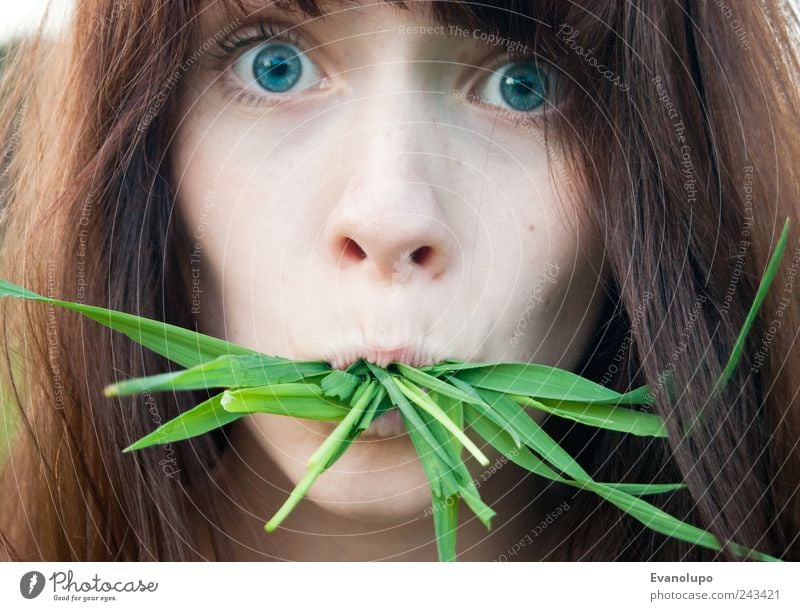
<point>240,207</point>
<point>539,259</point>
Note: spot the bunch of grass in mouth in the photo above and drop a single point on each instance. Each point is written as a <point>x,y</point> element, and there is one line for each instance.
<point>438,404</point>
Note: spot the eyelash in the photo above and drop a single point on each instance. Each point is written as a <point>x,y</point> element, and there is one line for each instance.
<point>232,47</point>
<point>268,31</point>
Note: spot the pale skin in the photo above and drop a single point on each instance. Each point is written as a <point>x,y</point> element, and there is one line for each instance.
<point>375,209</point>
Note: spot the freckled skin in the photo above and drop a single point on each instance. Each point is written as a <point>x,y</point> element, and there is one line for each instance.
<point>384,156</point>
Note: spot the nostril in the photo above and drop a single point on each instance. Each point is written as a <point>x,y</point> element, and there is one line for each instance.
<point>422,255</point>
<point>351,251</point>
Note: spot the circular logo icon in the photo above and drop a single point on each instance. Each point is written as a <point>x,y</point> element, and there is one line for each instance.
<point>31,584</point>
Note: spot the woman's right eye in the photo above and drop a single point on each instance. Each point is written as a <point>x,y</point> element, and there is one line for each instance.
<point>518,86</point>
<point>276,68</point>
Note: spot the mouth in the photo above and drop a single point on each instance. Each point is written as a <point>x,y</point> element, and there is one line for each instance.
<point>386,426</point>
<point>411,355</point>
<point>389,424</point>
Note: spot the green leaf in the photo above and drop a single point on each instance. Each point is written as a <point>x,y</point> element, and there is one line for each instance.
<point>761,293</point>
<point>445,488</point>
<point>415,394</point>
<point>465,485</point>
<point>453,409</point>
<point>535,437</point>
<point>502,442</point>
<point>432,464</point>
<point>224,371</point>
<point>320,460</point>
<point>297,400</point>
<point>374,389</point>
<point>637,396</point>
<point>537,381</point>
<point>601,416</point>
<point>411,418</point>
<point>490,397</point>
<point>339,384</point>
<point>446,472</point>
<point>450,366</point>
<point>664,523</point>
<point>444,505</point>
<point>205,417</point>
<point>437,385</point>
<point>335,445</point>
<point>187,348</point>
<point>644,489</point>
<point>445,523</point>
<point>377,402</point>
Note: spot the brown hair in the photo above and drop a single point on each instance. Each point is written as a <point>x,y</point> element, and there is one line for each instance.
<point>680,118</point>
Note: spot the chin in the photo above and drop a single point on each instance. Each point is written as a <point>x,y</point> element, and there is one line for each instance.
<point>379,479</point>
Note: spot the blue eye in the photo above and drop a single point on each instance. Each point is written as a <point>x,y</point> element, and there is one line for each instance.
<point>522,87</point>
<point>277,67</point>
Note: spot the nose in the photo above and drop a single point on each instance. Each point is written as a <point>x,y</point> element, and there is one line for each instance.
<point>389,226</point>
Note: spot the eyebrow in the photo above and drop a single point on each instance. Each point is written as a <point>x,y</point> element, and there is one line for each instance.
<point>531,22</point>
<point>310,8</point>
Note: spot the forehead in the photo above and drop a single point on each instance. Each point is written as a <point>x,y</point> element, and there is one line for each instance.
<point>520,21</point>
<point>316,8</point>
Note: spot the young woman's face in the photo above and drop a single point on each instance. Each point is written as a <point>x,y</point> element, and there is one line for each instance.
<point>375,185</point>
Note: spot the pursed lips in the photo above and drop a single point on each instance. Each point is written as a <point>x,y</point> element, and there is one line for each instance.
<point>414,356</point>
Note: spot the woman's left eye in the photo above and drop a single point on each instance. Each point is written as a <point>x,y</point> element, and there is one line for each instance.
<point>520,86</point>
<point>277,67</point>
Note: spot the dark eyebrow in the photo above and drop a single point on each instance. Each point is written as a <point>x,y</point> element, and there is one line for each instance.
<point>309,8</point>
<point>527,22</point>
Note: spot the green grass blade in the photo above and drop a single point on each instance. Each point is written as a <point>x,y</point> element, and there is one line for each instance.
<point>539,441</point>
<point>297,400</point>
<point>446,471</point>
<point>481,510</point>
<point>431,463</point>
<point>340,384</point>
<point>327,447</point>
<point>453,409</point>
<point>374,408</point>
<point>465,486</point>
<point>182,346</point>
<point>445,523</point>
<point>224,371</point>
<point>644,489</point>
<point>411,418</point>
<point>320,460</point>
<point>443,477</point>
<point>490,397</point>
<point>441,387</point>
<point>502,442</point>
<point>602,416</point>
<point>763,288</point>
<point>537,381</point>
<point>637,396</point>
<point>414,394</point>
<point>350,435</point>
<point>664,523</point>
<point>205,417</point>
<point>450,366</point>
<point>646,513</point>
<point>446,482</point>
<point>295,497</point>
